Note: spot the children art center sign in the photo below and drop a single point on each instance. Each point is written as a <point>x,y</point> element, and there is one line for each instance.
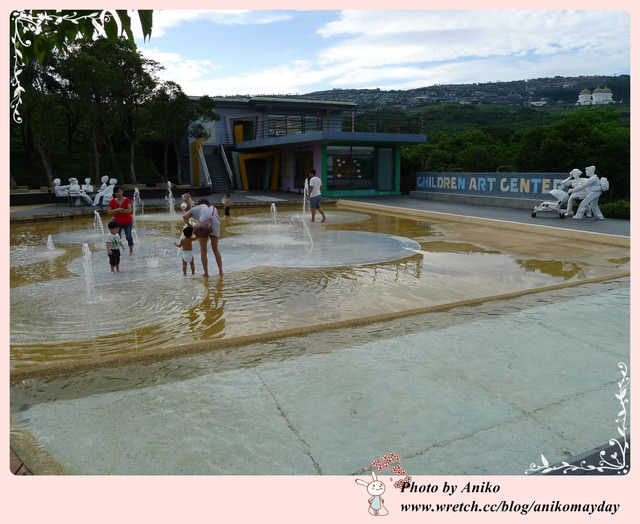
<point>512,185</point>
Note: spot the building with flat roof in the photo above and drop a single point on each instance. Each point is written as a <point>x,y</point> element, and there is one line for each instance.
<point>271,143</point>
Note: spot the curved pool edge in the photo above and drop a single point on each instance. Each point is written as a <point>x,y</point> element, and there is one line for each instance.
<point>60,368</point>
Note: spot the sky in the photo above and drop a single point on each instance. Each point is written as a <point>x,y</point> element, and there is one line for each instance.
<point>261,52</point>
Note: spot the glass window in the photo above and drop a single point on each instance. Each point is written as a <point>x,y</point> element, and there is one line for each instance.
<point>277,125</point>
<point>386,171</point>
<point>312,123</point>
<point>362,167</point>
<point>244,129</point>
<point>350,167</point>
<point>294,125</point>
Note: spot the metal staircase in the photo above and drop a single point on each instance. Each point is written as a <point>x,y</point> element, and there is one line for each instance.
<point>221,181</point>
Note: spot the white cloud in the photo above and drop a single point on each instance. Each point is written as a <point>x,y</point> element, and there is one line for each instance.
<point>165,19</point>
<point>398,37</point>
<point>294,78</point>
<point>178,68</point>
<point>406,49</point>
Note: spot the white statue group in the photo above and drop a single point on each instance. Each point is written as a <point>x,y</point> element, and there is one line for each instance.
<point>586,190</point>
<point>85,192</point>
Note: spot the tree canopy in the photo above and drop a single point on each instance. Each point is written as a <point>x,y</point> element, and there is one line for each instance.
<point>574,139</point>
<point>96,100</point>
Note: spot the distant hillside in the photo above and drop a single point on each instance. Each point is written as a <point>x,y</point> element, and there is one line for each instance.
<point>556,91</point>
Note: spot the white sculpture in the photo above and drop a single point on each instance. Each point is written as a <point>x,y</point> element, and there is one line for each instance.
<point>87,187</point>
<point>558,206</point>
<point>575,194</point>
<point>594,186</point>
<point>105,194</point>
<point>588,190</point>
<point>75,191</point>
<point>571,183</point>
<point>58,190</point>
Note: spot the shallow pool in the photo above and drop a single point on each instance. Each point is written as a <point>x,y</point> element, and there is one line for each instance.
<point>279,277</point>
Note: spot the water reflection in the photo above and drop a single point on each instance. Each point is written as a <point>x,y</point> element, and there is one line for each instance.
<point>555,268</point>
<point>360,266</point>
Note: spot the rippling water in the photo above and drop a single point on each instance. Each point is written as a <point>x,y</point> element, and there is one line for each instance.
<point>278,276</point>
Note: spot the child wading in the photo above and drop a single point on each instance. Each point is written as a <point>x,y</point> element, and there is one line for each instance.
<point>186,243</point>
<point>113,246</point>
<point>226,201</point>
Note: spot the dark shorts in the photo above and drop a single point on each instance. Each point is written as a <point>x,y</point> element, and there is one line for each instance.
<point>227,211</point>
<point>114,257</point>
<point>314,202</point>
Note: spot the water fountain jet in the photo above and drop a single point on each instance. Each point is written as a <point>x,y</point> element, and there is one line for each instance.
<point>89,283</point>
<point>98,227</point>
<point>170,200</point>
<point>138,204</point>
<point>304,198</point>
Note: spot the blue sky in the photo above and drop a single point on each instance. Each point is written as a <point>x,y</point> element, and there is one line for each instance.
<point>221,53</point>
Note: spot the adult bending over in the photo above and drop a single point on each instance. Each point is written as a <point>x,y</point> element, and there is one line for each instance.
<point>202,212</point>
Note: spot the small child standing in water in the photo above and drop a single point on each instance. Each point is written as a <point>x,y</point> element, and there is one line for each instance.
<point>226,200</point>
<point>186,243</point>
<point>113,246</point>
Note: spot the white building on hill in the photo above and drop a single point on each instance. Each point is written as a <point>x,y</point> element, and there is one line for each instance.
<point>600,95</point>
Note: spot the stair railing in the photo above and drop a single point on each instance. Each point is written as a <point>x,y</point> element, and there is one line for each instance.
<point>204,167</point>
<point>226,164</point>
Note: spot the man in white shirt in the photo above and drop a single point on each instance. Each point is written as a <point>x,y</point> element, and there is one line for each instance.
<point>315,195</point>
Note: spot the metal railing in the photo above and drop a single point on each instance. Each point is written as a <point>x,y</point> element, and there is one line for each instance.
<point>385,122</point>
<point>369,122</point>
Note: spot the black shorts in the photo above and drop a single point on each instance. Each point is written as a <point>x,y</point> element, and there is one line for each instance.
<point>114,258</point>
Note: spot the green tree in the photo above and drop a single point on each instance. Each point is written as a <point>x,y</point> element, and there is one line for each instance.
<point>169,113</point>
<point>589,136</point>
<point>111,83</point>
<point>42,116</point>
<point>134,88</point>
<point>167,120</point>
<point>88,85</point>
<point>472,150</point>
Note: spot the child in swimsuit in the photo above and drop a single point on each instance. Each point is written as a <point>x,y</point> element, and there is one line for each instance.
<point>186,243</point>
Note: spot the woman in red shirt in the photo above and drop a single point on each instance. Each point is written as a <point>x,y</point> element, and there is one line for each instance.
<point>121,208</point>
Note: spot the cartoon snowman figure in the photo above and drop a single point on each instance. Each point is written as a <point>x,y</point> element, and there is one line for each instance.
<point>375,488</point>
